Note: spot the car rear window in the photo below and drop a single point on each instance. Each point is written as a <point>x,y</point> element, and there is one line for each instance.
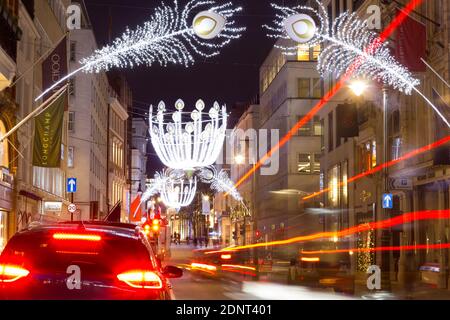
<point>41,252</point>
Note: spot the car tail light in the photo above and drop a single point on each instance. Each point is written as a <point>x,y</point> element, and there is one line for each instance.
<point>72,236</point>
<point>141,279</point>
<point>9,273</point>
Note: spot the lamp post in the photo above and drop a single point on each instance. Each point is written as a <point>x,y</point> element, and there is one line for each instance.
<point>359,87</point>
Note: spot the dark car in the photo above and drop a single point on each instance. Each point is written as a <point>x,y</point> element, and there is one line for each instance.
<point>83,261</point>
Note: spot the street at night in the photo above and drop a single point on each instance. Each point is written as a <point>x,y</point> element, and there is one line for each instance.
<point>241,150</point>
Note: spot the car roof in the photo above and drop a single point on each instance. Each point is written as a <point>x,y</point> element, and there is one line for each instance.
<point>120,230</point>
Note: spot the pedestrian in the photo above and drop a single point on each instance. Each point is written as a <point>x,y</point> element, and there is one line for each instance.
<point>410,274</point>
<point>292,272</point>
<point>195,242</point>
<point>206,242</point>
<point>179,238</point>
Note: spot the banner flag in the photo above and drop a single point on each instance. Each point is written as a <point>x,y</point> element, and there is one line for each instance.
<point>411,44</point>
<point>48,135</point>
<point>55,67</point>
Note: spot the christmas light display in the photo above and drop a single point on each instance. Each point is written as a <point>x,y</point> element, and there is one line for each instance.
<point>188,140</point>
<point>178,193</point>
<point>220,182</point>
<point>169,37</point>
<point>346,41</point>
<point>175,188</point>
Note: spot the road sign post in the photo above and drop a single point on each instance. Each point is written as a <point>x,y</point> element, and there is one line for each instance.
<point>71,188</point>
<point>388,201</point>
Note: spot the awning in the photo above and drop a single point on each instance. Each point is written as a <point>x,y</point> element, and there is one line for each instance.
<point>30,195</point>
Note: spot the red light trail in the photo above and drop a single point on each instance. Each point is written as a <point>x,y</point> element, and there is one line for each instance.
<point>404,13</point>
<point>399,220</point>
<point>384,165</point>
<point>378,249</point>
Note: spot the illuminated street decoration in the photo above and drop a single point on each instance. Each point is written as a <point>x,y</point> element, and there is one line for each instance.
<point>188,140</point>
<point>220,182</point>
<point>347,40</point>
<point>178,187</point>
<point>178,193</point>
<point>170,36</point>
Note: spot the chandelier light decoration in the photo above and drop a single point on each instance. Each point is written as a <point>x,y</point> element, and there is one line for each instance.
<point>170,36</point>
<point>188,140</point>
<point>344,42</point>
<point>177,188</point>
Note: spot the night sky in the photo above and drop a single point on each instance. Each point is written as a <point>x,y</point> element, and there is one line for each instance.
<point>231,78</point>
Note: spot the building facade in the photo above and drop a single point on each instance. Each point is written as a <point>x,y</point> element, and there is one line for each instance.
<point>418,183</point>
<point>89,98</point>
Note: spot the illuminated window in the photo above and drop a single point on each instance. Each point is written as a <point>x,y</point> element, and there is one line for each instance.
<point>307,53</point>
<point>3,229</point>
<point>344,170</point>
<point>4,154</point>
<point>374,155</point>
<point>396,148</point>
<point>304,163</point>
<point>333,185</point>
<point>316,163</point>
<point>303,53</point>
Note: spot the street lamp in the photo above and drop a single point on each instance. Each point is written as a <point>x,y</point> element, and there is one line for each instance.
<point>239,159</point>
<point>358,87</point>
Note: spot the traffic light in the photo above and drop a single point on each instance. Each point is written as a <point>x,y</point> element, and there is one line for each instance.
<point>235,235</point>
<point>156,224</point>
<point>258,234</point>
<point>147,227</point>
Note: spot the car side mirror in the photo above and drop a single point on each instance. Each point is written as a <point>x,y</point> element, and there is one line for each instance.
<point>172,272</point>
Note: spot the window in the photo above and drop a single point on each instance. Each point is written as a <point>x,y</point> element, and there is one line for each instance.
<point>317,85</point>
<point>312,128</point>
<point>309,163</point>
<point>310,88</point>
<point>368,156</point>
<point>304,163</point>
<point>3,230</point>
<point>4,154</point>
<point>73,49</point>
<point>307,53</point>
<point>316,163</point>
<point>304,87</point>
<point>396,148</point>
<point>330,132</point>
<point>72,87</point>
<point>333,185</point>
<point>71,121</point>
<point>70,157</point>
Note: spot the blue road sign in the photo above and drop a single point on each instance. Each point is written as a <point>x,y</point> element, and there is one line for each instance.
<point>71,185</point>
<point>388,201</point>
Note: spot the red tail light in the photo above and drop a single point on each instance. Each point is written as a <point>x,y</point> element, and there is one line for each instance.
<point>141,279</point>
<point>9,273</point>
<point>82,237</point>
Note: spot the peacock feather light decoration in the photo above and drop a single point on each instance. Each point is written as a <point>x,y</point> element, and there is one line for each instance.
<point>348,47</point>
<point>172,35</point>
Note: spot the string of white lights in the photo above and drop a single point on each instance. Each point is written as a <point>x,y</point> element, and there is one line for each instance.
<point>344,42</point>
<point>171,36</point>
<point>220,182</point>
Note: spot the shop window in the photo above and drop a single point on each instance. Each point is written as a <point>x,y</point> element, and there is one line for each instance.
<point>4,154</point>
<point>3,230</point>
<point>333,185</point>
